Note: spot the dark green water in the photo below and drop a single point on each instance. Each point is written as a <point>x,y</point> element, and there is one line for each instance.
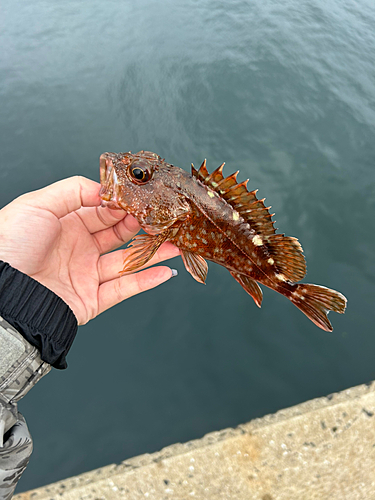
<point>284,92</point>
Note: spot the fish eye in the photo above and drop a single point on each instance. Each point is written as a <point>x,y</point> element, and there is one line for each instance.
<point>139,173</point>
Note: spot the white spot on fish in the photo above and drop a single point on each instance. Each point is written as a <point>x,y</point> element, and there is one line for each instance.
<point>203,231</point>
<point>188,237</point>
<point>214,184</point>
<point>192,228</point>
<point>204,241</point>
<point>271,261</point>
<point>236,215</point>
<point>297,294</point>
<point>213,235</point>
<point>178,184</point>
<point>280,277</point>
<point>257,240</point>
<point>210,194</point>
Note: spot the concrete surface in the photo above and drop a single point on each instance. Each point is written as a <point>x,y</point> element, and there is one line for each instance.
<point>321,449</point>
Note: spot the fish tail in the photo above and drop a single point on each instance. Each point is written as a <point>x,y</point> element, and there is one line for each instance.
<point>316,301</point>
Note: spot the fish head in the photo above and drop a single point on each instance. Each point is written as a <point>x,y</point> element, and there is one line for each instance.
<point>145,186</point>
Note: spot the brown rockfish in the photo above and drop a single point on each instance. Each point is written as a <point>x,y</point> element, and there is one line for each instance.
<point>211,217</point>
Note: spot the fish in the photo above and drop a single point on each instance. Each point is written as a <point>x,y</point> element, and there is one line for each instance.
<point>211,217</point>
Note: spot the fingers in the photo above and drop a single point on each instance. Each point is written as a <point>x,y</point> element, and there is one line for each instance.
<point>115,291</point>
<point>66,196</point>
<point>98,219</point>
<point>115,236</point>
<point>111,264</point>
<point>80,195</point>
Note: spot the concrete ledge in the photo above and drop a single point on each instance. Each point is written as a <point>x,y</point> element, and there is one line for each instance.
<point>321,449</point>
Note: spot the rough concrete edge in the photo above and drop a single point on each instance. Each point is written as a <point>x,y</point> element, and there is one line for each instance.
<point>207,440</point>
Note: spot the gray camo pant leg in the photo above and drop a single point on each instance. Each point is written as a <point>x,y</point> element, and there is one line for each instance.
<point>20,369</point>
<point>14,457</point>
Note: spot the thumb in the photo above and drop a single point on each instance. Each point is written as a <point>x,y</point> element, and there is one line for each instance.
<point>65,196</point>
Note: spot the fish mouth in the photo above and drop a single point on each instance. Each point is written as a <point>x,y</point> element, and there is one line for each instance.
<point>109,183</point>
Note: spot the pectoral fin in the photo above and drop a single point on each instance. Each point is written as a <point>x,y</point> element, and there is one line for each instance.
<point>250,286</point>
<point>141,249</point>
<point>196,265</point>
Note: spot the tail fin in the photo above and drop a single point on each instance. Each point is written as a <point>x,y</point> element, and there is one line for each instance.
<point>316,301</point>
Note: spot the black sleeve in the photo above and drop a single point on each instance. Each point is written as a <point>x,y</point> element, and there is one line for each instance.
<point>36,312</point>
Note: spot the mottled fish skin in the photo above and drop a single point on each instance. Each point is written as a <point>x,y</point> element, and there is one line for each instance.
<point>210,217</point>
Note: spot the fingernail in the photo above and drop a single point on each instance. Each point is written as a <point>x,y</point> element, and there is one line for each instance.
<point>174,272</point>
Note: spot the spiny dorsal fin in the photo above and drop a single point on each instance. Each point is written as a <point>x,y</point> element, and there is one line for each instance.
<point>236,194</point>
<point>286,251</point>
<point>202,172</point>
<point>235,191</point>
<point>216,176</point>
<point>227,183</point>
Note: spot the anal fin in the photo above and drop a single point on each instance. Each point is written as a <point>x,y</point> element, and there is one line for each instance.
<point>141,249</point>
<point>250,286</point>
<point>195,265</point>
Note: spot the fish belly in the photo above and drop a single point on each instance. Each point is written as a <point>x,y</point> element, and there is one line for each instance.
<point>199,235</point>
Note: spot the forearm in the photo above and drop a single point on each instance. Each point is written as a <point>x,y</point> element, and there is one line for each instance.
<point>38,314</point>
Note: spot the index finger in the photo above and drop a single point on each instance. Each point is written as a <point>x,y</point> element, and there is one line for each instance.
<point>66,196</point>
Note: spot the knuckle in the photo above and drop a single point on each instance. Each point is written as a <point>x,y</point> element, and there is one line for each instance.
<point>142,284</point>
<point>119,293</point>
<point>79,179</point>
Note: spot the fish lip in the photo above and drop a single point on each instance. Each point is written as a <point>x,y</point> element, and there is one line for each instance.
<point>103,168</point>
<point>109,183</point>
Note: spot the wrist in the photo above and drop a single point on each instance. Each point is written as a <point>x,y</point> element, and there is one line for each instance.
<point>36,312</point>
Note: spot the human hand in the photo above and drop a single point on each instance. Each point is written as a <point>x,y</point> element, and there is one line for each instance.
<point>61,236</point>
